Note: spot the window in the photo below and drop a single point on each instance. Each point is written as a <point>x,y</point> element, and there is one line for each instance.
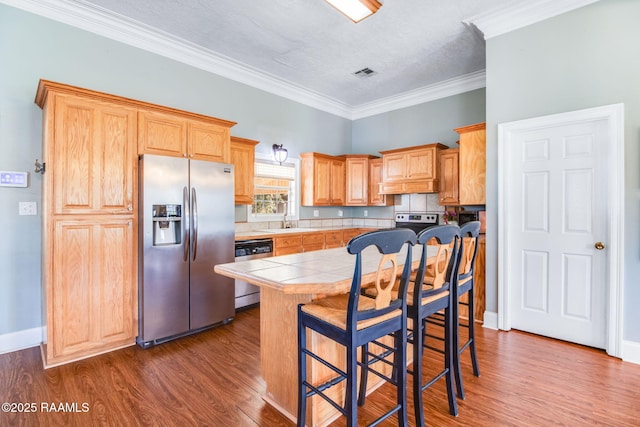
<point>274,191</point>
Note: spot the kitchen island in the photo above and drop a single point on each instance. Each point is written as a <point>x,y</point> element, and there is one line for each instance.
<point>286,281</point>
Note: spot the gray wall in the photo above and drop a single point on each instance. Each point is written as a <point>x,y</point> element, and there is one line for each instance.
<point>421,124</point>
<point>585,58</point>
<point>32,48</point>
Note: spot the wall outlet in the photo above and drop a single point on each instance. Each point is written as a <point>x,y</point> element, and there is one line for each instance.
<point>316,212</point>
<point>366,212</point>
<point>27,208</point>
<point>340,212</point>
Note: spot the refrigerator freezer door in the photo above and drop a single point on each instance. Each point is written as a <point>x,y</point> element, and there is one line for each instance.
<point>164,271</point>
<point>212,204</point>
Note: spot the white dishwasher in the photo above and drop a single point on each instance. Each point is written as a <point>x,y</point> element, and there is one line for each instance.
<point>246,293</point>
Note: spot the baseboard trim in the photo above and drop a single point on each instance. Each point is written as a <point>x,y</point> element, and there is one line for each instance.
<point>631,351</point>
<point>490,320</point>
<point>19,340</point>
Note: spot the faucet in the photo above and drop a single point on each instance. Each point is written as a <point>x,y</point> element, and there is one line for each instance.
<point>285,222</point>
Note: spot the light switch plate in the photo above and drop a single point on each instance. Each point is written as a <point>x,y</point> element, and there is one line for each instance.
<point>27,208</point>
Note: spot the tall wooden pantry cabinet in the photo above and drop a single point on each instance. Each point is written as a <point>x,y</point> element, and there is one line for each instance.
<point>89,224</point>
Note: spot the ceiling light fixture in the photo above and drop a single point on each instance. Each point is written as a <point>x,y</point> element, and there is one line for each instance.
<point>356,10</point>
<point>280,153</point>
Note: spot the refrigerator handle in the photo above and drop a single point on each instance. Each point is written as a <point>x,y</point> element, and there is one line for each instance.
<point>194,202</point>
<point>185,222</point>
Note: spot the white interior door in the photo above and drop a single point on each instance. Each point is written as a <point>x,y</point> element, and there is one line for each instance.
<point>557,213</point>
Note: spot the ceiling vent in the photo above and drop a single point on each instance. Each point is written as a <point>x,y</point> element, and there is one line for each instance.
<point>365,72</point>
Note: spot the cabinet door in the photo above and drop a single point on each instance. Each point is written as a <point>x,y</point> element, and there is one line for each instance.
<point>287,245</point>
<point>243,158</point>
<point>338,182</point>
<point>332,239</point>
<point>375,178</point>
<point>92,160</point>
<point>349,234</point>
<point>357,181</point>
<point>322,184</point>
<point>448,191</point>
<point>421,164</point>
<point>394,167</point>
<point>312,242</point>
<point>472,165</point>
<point>92,297</point>
<point>162,134</point>
<point>207,141</point>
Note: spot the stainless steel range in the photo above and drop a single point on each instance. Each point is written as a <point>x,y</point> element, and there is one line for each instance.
<point>417,221</point>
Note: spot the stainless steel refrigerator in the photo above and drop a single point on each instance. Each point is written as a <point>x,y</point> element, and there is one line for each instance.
<point>186,228</point>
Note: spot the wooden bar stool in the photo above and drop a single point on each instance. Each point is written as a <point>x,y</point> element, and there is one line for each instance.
<point>469,233</point>
<point>354,320</point>
<point>468,252</point>
<point>428,294</point>
<point>431,294</point>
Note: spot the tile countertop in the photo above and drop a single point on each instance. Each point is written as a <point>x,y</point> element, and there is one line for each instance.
<point>327,271</point>
<point>273,232</point>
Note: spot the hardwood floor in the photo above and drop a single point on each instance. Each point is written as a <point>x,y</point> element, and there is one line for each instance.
<point>213,378</point>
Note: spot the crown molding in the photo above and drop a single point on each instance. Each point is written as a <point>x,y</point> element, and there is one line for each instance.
<point>503,20</point>
<point>103,22</point>
<point>443,89</point>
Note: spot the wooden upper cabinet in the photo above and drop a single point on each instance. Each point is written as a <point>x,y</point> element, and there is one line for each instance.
<point>173,135</point>
<point>357,173</point>
<point>243,159</point>
<point>411,170</point>
<point>338,182</point>
<point>162,134</point>
<point>207,141</point>
<point>91,157</point>
<point>472,164</point>
<point>375,179</point>
<point>448,182</point>
<point>323,180</point>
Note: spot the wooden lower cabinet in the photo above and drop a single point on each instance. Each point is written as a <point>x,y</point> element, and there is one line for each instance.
<point>333,239</point>
<point>349,234</point>
<point>91,296</point>
<point>479,300</point>
<point>284,245</point>
<point>312,242</point>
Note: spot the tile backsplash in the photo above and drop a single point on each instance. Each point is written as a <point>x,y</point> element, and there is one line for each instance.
<point>412,203</point>
<point>416,203</point>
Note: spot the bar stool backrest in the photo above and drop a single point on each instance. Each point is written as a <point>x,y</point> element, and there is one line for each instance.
<point>389,243</point>
<point>447,238</point>
<point>469,249</point>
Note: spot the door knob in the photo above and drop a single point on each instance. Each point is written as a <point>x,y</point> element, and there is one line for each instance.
<point>599,246</point>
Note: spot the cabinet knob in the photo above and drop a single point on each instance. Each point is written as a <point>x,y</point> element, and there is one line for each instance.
<point>599,246</point>
<point>184,154</point>
<point>129,208</point>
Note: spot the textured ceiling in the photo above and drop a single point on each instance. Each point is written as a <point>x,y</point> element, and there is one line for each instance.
<point>410,44</point>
